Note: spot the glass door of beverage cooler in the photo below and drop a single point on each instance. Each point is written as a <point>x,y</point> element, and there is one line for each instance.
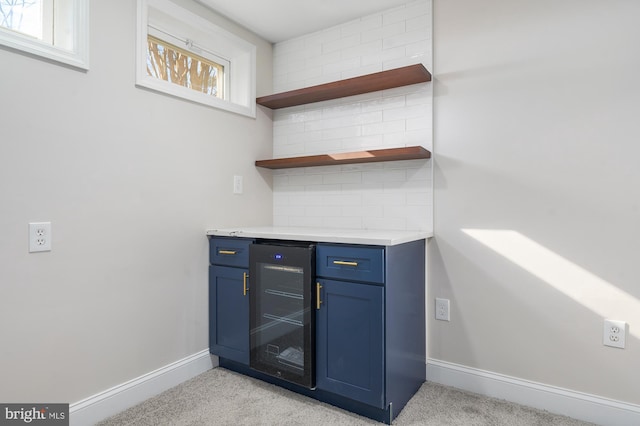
<point>281,321</point>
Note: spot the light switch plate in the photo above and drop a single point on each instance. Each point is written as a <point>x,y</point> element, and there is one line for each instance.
<point>237,184</point>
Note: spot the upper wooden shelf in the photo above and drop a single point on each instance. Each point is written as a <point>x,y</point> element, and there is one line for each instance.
<point>352,86</point>
<point>391,154</point>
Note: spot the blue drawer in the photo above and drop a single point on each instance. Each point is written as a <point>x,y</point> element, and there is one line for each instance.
<point>352,263</point>
<point>229,251</point>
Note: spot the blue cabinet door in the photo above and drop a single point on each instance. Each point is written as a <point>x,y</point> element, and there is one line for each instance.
<point>228,314</point>
<point>350,341</point>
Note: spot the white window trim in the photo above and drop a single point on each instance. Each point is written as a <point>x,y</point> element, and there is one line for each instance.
<point>78,58</point>
<point>240,85</point>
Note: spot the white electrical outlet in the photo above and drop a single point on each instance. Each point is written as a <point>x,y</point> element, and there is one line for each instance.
<point>442,309</point>
<point>614,333</point>
<point>237,184</point>
<point>39,236</point>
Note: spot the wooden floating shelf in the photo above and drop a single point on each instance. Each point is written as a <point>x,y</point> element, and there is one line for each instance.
<point>353,86</point>
<point>372,156</point>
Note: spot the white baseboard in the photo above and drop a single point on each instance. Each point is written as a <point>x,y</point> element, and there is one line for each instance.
<point>578,405</point>
<point>112,401</point>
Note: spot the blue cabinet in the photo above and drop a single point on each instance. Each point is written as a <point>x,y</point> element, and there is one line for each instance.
<point>370,342</point>
<point>350,341</point>
<point>370,322</point>
<point>229,299</point>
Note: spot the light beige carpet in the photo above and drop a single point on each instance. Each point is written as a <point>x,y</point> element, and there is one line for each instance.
<point>222,397</point>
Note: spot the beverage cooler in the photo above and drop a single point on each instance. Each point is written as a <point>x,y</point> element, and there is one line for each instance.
<point>282,322</point>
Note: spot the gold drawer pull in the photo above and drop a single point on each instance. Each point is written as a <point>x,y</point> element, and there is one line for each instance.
<point>244,283</point>
<point>344,263</point>
<point>232,252</point>
<point>318,301</point>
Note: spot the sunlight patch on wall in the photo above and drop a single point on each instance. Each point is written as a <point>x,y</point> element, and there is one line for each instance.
<point>574,281</point>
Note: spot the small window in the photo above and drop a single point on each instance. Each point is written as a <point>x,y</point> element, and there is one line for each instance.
<point>203,73</point>
<point>187,56</point>
<point>53,29</point>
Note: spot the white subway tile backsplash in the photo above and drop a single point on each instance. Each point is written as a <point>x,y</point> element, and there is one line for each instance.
<point>341,222</point>
<point>418,123</point>
<point>342,132</point>
<point>361,70</point>
<point>396,224</point>
<point>363,211</point>
<point>362,143</point>
<point>305,180</point>
<point>285,129</point>
<point>362,49</point>
<point>305,221</point>
<point>418,199</point>
<point>373,199</point>
<point>384,128</point>
<point>362,25</point>
<point>309,137</point>
<point>407,12</point>
<point>412,111</point>
<point>314,126</point>
<point>342,199</point>
<point>418,22</point>
<point>322,79</point>
<point>280,180</point>
<point>422,137</point>
<point>385,56</point>
<point>404,39</point>
<point>323,59</point>
<point>288,46</point>
<point>291,150</point>
<point>297,77</point>
<point>418,49</point>
<point>289,210</point>
<point>338,110</point>
<point>329,144</point>
<point>344,177</point>
<point>338,67</point>
<point>341,43</point>
<point>324,211</point>
<point>384,176</point>
<point>390,195</point>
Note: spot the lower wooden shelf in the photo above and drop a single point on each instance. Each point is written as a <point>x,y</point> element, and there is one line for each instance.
<point>372,156</point>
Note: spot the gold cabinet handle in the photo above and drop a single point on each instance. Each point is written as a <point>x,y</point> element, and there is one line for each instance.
<point>318,301</point>
<point>244,283</point>
<point>345,263</point>
<point>231,252</point>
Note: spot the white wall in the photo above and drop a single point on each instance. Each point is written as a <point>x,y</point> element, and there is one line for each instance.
<point>392,195</point>
<point>130,180</point>
<point>536,129</point>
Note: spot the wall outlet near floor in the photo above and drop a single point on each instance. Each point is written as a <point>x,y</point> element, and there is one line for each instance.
<point>442,309</point>
<point>614,333</point>
<point>39,236</point>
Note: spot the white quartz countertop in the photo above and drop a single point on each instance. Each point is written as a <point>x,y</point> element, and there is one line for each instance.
<point>324,235</point>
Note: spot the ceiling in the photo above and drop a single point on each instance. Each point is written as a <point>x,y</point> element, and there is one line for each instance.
<point>278,20</point>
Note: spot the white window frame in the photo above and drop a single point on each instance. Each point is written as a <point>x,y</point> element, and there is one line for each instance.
<point>202,37</point>
<point>78,57</point>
